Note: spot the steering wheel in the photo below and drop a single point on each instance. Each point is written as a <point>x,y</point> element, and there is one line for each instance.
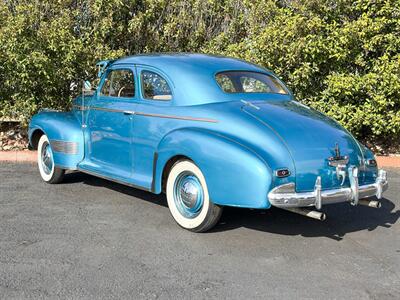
<point>120,90</point>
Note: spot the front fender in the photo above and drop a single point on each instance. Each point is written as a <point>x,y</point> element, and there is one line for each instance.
<point>235,175</point>
<point>65,134</point>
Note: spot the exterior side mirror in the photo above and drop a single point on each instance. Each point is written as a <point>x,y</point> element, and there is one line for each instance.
<point>87,86</point>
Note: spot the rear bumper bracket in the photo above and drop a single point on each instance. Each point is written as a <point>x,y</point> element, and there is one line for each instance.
<point>286,196</point>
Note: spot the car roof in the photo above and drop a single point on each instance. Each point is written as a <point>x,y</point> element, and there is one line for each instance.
<point>192,74</point>
<point>181,61</point>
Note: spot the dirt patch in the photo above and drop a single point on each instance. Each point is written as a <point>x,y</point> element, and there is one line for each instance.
<point>13,136</point>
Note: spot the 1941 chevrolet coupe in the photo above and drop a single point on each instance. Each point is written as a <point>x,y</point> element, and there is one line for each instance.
<point>210,132</point>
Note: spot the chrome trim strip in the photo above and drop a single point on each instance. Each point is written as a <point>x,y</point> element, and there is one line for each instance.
<point>286,196</point>
<point>65,147</point>
<point>66,168</point>
<point>250,104</point>
<point>93,173</point>
<point>80,107</point>
<point>130,112</point>
<point>186,118</point>
<point>176,117</point>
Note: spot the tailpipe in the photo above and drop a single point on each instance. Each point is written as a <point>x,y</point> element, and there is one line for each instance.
<point>306,212</point>
<point>370,203</point>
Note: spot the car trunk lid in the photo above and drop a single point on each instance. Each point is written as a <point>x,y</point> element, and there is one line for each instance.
<point>310,137</point>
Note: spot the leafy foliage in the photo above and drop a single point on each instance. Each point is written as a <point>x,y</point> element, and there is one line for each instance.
<point>339,56</point>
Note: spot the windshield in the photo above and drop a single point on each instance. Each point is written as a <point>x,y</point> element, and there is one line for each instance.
<point>249,82</point>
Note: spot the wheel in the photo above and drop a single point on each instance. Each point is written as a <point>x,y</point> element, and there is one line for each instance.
<point>48,171</point>
<point>188,198</point>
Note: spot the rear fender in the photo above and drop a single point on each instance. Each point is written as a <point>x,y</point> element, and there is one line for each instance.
<point>235,175</point>
<point>64,131</point>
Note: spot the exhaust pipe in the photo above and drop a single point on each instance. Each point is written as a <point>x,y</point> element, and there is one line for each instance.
<point>370,203</point>
<point>306,212</point>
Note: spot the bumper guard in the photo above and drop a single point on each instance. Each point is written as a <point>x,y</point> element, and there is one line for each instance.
<point>285,196</point>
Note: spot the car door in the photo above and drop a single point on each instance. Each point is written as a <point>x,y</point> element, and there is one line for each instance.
<point>154,100</point>
<point>109,124</point>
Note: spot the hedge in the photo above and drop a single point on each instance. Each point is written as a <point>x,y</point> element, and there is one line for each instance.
<point>341,57</point>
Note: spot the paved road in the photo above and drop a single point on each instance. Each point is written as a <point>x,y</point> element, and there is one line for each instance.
<point>88,238</point>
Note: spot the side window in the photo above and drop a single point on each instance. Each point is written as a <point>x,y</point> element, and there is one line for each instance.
<point>155,87</point>
<point>119,83</point>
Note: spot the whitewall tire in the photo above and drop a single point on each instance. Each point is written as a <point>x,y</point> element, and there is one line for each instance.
<point>47,169</point>
<point>188,198</point>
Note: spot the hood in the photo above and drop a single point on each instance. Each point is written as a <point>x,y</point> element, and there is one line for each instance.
<point>310,137</point>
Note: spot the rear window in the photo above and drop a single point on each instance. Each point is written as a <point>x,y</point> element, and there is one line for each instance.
<point>249,82</point>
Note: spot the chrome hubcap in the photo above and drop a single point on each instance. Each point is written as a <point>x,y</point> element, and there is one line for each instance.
<point>47,158</point>
<point>188,195</point>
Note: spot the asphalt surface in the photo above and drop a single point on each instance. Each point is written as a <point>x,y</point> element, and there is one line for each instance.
<point>90,238</point>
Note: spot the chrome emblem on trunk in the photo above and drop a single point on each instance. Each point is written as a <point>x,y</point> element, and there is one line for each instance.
<point>340,162</point>
<point>337,150</point>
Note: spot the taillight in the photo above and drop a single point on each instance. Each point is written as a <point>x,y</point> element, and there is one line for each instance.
<point>371,162</point>
<point>282,173</point>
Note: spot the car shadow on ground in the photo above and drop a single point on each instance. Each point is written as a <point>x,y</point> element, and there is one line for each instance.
<point>75,177</point>
<point>341,218</point>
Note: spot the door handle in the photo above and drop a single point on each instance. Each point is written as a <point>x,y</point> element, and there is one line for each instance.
<point>128,112</point>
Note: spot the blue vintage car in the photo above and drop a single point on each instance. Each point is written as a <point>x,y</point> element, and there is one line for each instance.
<point>210,132</point>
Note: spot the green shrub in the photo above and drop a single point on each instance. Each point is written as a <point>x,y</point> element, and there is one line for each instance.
<point>341,57</point>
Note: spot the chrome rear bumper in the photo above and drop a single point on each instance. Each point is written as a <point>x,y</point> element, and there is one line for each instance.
<point>285,195</point>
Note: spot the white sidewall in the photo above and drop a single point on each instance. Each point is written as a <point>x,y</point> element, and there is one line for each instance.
<point>45,177</point>
<point>174,173</point>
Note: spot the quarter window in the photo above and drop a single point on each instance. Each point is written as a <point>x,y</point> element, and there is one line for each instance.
<point>119,83</point>
<point>155,87</point>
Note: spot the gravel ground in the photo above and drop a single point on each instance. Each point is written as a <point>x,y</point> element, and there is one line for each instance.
<point>90,238</point>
